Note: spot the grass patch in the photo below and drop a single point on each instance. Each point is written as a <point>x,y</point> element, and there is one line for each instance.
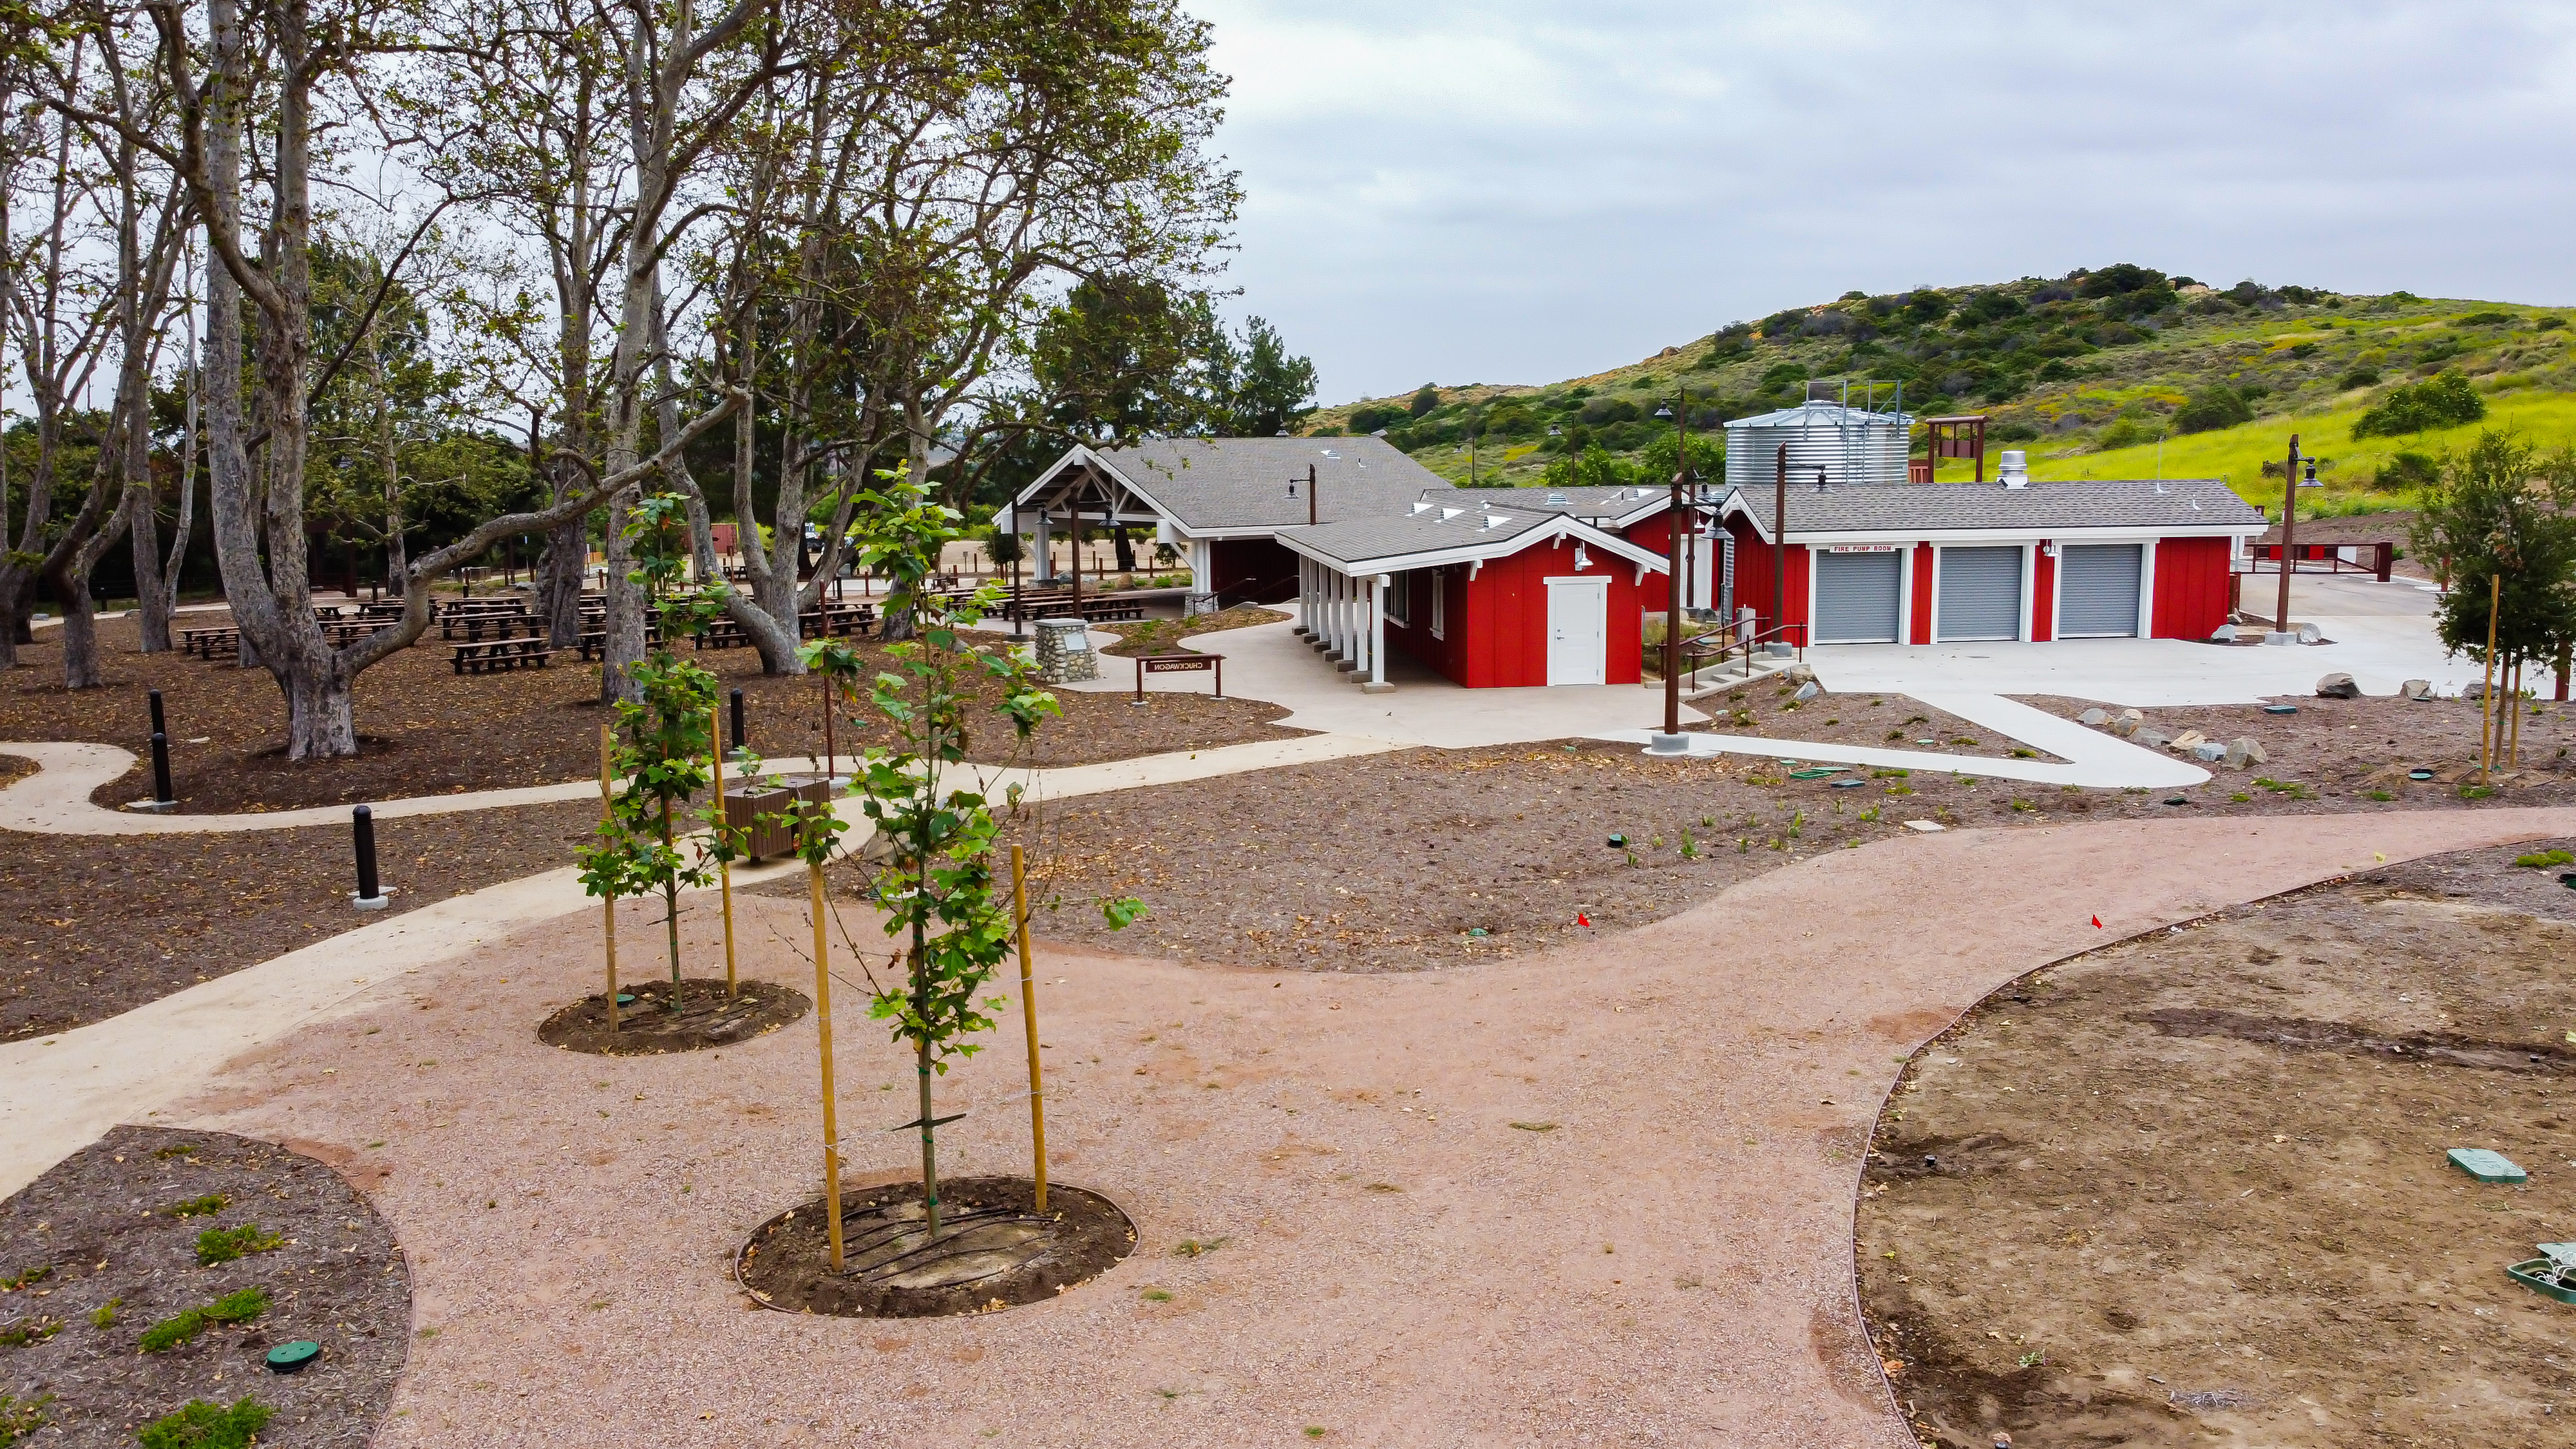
<point>200,1207</point>
<point>27,1277</point>
<point>175,1149</point>
<point>222,1245</point>
<point>2477,792</point>
<point>201,1425</point>
<point>1535,1126</point>
<point>186,1324</point>
<point>2543,860</point>
<point>104,1315</point>
<point>21,1417</point>
<point>1193,1248</point>
<point>1155,1295</point>
<point>29,1331</point>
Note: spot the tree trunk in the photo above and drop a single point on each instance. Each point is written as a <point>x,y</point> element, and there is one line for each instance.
<point>321,719</point>
<point>560,569</point>
<point>80,611</point>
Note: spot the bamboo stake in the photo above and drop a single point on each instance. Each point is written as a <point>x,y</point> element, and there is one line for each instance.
<point>1029,1009</point>
<point>2486,691</point>
<point>607,813</point>
<point>823,1024</point>
<point>724,868</point>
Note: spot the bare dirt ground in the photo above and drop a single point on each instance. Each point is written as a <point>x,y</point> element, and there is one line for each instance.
<point>111,1254</point>
<point>2350,748</point>
<point>2191,1188</point>
<point>1891,721</point>
<point>94,925</point>
<point>423,730</point>
<point>1599,1195</point>
<point>1397,861</point>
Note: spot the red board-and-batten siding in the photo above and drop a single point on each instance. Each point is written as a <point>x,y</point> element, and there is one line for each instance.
<point>2189,585</point>
<point>1496,623</point>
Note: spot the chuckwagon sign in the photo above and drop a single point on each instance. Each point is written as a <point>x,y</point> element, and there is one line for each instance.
<point>1178,664</point>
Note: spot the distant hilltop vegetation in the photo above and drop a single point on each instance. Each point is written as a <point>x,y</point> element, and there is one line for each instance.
<point>2081,371</point>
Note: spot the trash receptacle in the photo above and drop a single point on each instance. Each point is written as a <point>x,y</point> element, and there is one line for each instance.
<point>758,809</point>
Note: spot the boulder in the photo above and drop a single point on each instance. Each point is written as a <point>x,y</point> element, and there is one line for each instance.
<point>2094,717</point>
<point>2126,723</point>
<point>2188,739</point>
<point>1808,691</point>
<point>2338,686</point>
<point>2223,634</point>
<point>2241,752</point>
<point>2152,739</point>
<point>2415,689</point>
<point>2311,634</point>
<point>2208,750</point>
<point>1798,674</point>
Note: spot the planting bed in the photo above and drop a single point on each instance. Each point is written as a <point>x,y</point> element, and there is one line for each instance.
<point>646,1026</point>
<point>2192,1187</point>
<point>424,730</point>
<point>1164,636</point>
<point>1396,861</point>
<point>92,925</point>
<point>122,1258</point>
<point>1888,721</point>
<point>995,1250</point>
<point>2354,746</point>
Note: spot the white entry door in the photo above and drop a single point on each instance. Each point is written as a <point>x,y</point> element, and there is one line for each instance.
<point>1578,630</point>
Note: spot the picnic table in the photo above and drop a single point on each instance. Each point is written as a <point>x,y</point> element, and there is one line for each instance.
<point>499,626</point>
<point>211,640</point>
<point>501,654</point>
<point>594,642</point>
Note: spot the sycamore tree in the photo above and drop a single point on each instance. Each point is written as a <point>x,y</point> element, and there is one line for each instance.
<point>934,876</point>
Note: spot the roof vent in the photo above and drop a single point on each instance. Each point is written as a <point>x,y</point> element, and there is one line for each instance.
<point>1556,498</point>
<point>1329,453</point>
<point>1449,513</point>
<point>1493,520</point>
<point>2014,473</point>
<point>1421,508</point>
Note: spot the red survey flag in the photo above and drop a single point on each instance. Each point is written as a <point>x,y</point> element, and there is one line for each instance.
<point>1583,920</point>
<point>2097,923</point>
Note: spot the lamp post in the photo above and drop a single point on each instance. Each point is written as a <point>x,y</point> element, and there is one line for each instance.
<point>2289,531</point>
<point>1671,741</point>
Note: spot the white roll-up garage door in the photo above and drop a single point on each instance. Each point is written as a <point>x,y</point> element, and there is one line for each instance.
<point>2097,590</point>
<point>1857,596</point>
<point>1980,593</point>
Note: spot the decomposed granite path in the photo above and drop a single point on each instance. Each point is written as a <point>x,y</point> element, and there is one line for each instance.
<point>1598,1196</point>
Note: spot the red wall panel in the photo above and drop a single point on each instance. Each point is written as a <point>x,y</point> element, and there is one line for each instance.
<point>1753,577</point>
<point>2043,595</point>
<point>1497,623</point>
<point>1920,631</point>
<point>2191,588</point>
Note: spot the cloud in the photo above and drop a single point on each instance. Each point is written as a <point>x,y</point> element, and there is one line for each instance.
<point>1505,192</point>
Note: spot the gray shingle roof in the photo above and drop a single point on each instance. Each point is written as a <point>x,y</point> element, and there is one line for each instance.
<point>2175,503</point>
<point>1589,504</point>
<point>1358,540</point>
<point>1242,483</point>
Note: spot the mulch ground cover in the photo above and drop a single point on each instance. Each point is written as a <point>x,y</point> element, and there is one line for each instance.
<point>114,1243</point>
<point>1164,636</point>
<point>708,1016</point>
<point>93,925</point>
<point>995,1250</point>
<point>424,730</point>
<point>2358,746</point>
<point>1422,858</point>
<point>2193,1188</point>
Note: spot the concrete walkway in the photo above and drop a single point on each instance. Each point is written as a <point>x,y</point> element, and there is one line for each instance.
<point>55,800</point>
<point>2091,758</point>
<point>1601,1195</point>
<point>58,1093</point>
<point>2380,634</point>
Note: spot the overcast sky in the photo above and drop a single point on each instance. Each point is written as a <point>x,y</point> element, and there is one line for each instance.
<point>1507,192</point>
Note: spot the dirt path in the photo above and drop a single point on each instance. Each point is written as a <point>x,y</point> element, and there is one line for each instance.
<point>1659,1251</point>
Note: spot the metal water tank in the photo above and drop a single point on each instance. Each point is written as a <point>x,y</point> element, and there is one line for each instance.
<point>1851,445</point>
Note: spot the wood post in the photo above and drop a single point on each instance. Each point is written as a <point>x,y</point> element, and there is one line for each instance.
<point>1029,1010</point>
<point>607,809</point>
<point>823,1026</point>
<point>2486,691</point>
<point>724,866</point>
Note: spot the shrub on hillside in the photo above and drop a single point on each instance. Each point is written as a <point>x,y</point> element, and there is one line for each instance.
<point>2549,324</point>
<point>2358,377</point>
<point>2486,319</point>
<point>1424,401</point>
<point>2126,433</point>
<point>2444,400</point>
<point>2406,470</point>
<point>1375,416</point>
<point>2014,432</point>
<point>2215,406</point>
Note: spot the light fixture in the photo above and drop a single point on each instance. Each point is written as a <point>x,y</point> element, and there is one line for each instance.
<point>1582,558</point>
<point>1665,412</point>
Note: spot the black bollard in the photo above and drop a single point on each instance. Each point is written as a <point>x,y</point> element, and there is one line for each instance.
<point>160,726</point>
<point>738,731</point>
<point>161,792</point>
<point>362,824</point>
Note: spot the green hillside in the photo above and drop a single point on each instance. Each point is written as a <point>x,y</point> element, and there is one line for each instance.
<point>2087,373</point>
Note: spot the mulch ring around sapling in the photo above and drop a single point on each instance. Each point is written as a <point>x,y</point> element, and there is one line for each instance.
<point>994,1250</point>
<point>647,1026</point>
<point>154,1269</point>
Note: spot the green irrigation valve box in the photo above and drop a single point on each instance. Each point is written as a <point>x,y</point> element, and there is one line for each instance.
<point>2553,1274</point>
<point>286,1358</point>
<point>2486,1166</point>
<point>1815,774</point>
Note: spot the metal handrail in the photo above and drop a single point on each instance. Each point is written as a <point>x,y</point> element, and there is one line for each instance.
<point>1746,644</point>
